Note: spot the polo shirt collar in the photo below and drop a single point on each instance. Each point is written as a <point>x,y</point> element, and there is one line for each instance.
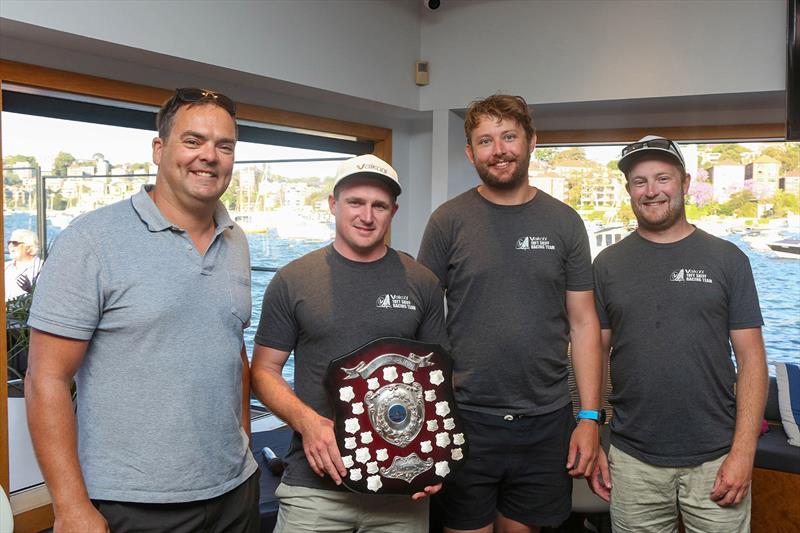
<point>155,221</point>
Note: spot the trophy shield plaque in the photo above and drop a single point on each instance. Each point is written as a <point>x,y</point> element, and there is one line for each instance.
<point>395,416</point>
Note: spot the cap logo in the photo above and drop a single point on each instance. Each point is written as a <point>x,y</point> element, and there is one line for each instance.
<point>367,166</point>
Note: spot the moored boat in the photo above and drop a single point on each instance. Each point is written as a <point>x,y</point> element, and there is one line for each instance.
<point>786,248</point>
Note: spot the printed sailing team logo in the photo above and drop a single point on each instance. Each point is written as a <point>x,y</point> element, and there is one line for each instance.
<point>534,243</point>
<point>690,274</point>
<point>395,301</point>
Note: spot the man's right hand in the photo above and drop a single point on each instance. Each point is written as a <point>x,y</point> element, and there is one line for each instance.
<point>319,445</point>
<point>80,519</point>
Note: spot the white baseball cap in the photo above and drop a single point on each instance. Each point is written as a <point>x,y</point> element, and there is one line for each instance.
<point>647,145</point>
<point>368,166</point>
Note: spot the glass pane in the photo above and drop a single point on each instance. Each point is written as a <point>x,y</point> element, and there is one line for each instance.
<point>280,202</point>
<point>747,193</point>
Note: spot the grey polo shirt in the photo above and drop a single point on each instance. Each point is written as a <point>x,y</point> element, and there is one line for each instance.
<point>159,389</point>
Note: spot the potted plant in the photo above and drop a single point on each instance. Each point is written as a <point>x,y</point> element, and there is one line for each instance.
<point>18,336</point>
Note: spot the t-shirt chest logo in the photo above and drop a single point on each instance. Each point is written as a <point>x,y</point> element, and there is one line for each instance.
<point>531,242</point>
<point>395,301</point>
<point>690,274</point>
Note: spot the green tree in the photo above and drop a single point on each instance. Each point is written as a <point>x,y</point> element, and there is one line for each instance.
<point>729,152</point>
<point>741,204</point>
<point>625,214</point>
<point>9,176</point>
<point>784,203</point>
<point>787,153</point>
<point>327,184</point>
<point>545,154</point>
<point>576,153</point>
<point>315,197</point>
<point>574,192</point>
<point>11,160</point>
<point>61,162</point>
<point>58,202</point>
<point>713,208</point>
<point>133,167</point>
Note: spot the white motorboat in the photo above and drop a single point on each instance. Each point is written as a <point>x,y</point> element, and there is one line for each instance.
<point>786,248</point>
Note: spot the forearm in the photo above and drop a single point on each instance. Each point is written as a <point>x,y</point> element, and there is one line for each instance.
<point>587,364</point>
<point>751,396</point>
<point>51,420</point>
<point>272,389</point>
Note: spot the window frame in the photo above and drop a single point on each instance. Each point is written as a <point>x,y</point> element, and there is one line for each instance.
<point>22,74</point>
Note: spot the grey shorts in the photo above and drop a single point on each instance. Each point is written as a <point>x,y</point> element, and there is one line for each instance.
<point>307,510</point>
<point>647,498</point>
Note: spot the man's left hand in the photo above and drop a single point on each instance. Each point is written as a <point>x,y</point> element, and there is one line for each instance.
<point>583,448</point>
<point>733,480</point>
<point>430,490</point>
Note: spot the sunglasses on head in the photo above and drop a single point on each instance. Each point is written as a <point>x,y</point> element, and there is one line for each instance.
<point>190,95</point>
<point>664,144</point>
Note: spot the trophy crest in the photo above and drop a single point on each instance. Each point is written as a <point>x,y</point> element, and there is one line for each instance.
<point>395,417</point>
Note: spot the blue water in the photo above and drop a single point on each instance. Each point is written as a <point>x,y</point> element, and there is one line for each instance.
<point>778,284</point>
<point>267,250</point>
<point>777,280</point>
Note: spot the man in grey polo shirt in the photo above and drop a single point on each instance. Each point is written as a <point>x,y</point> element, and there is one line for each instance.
<point>144,302</point>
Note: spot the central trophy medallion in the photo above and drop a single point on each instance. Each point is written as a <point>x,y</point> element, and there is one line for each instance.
<point>396,412</point>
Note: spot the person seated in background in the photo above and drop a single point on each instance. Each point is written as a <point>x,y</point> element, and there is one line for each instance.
<point>25,264</point>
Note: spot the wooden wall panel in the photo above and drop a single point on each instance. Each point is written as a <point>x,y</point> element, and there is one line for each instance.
<point>776,501</point>
<point>34,520</point>
<point>695,133</point>
<point>3,367</point>
<point>70,82</point>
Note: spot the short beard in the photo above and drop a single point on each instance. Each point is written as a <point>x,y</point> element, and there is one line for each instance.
<point>519,177</point>
<point>673,217</point>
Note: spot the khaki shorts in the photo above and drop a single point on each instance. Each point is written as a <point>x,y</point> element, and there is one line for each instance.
<point>647,498</point>
<point>305,510</point>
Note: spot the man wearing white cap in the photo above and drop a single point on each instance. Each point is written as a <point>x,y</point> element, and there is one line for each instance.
<point>671,300</point>
<point>324,305</point>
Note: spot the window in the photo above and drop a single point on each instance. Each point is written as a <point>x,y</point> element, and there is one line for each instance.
<point>107,176</point>
<point>747,193</point>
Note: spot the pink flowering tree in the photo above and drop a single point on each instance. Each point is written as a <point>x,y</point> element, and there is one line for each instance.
<point>700,193</point>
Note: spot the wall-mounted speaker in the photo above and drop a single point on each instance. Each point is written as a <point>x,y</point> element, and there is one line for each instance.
<point>421,75</point>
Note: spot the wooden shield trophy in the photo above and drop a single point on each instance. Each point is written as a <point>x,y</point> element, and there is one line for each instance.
<point>395,416</point>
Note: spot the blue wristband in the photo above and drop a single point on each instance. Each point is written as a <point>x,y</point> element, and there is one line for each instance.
<point>591,415</point>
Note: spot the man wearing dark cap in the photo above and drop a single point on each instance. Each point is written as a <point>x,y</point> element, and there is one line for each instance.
<point>145,302</point>
<point>324,305</point>
<point>672,299</point>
